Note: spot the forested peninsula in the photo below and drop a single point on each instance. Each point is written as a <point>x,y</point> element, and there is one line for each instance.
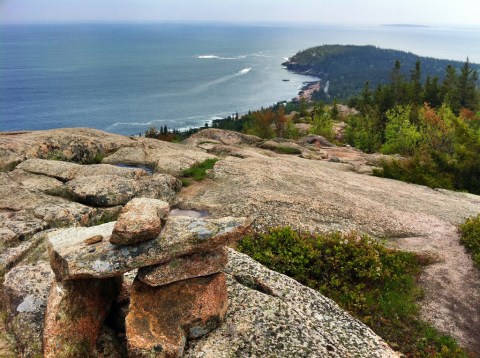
<point>348,67</point>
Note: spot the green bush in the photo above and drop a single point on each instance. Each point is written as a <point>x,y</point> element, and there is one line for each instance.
<point>374,283</point>
<point>470,237</point>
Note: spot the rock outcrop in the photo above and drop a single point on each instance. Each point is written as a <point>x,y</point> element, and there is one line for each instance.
<point>271,315</point>
<point>313,186</point>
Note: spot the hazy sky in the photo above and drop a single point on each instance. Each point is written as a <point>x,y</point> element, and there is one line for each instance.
<point>459,12</point>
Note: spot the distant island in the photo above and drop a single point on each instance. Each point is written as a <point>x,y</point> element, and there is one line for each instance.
<point>346,68</point>
<point>404,25</point>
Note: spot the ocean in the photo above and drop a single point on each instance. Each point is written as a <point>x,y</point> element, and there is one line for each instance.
<point>125,78</point>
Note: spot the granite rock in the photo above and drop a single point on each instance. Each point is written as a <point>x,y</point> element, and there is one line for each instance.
<point>162,318</point>
<point>272,315</point>
<point>63,171</point>
<point>25,292</point>
<point>34,182</point>
<point>140,220</point>
<point>80,145</point>
<point>167,158</point>
<point>229,138</point>
<point>103,190</point>
<point>71,258</point>
<point>75,314</point>
<point>184,267</point>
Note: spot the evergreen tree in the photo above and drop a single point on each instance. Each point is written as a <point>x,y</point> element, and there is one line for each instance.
<point>397,83</point>
<point>415,92</point>
<point>334,111</point>
<point>449,91</point>
<point>467,92</point>
<point>431,92</point>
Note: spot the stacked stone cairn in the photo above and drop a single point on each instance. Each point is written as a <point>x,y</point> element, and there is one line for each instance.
<point>179,292</point>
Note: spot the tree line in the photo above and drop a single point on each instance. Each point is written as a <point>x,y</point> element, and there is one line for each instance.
<point>434,124</point>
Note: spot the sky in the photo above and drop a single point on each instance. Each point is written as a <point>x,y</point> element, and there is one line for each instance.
<point>426,12</point>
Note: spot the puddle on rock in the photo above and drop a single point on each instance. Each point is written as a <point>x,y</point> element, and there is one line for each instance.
<point>190,213</point>
<point>147,168</point>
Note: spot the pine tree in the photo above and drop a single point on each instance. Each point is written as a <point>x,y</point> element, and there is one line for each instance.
<point>415,85</point>
<point>467,92</point>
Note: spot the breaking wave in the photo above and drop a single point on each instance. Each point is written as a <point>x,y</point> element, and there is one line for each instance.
<point>215,57</point>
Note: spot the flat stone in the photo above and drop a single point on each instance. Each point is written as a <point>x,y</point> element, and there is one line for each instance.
<point>140,220</point>
<point>185,267</point>
<point>59,212</point>
<point>107,169</point>
<point>34,181</point>
<point>63,171</point>
<point>75,314</point>
<point>71,258</point>
<point>103,190</point>
<point>11,256</point>
<point>162,318</point>
<point>17,226</point>
<point>25,292</point>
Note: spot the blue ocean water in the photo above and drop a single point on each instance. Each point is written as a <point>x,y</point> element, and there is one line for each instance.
<point>127,78</point>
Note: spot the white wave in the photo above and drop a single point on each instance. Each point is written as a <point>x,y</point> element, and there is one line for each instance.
<point>215,57</point>
<point>151,123</point>
<point>220,80</point>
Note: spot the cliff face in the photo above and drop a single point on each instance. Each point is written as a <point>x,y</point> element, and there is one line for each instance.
<point>318,189</point>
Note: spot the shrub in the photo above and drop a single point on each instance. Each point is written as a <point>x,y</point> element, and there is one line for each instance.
<point>470,237</point>
<point>374,283</point>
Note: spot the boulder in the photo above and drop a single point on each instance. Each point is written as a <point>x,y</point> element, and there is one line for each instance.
<point>315,140</point>
<point>140,220</point>
<point>71,258</point>
<point>75,314</point>
<point>214,135</point>
<point>282,146</point>
<point>111,190</point>
<point>81,145</point>
<point>162,318</point>
<point>272,315</point>
<point>103,190</point>
<point>167,158</point>
<point>25,292</point>
<point>184,267</point>
<point>159,186</point>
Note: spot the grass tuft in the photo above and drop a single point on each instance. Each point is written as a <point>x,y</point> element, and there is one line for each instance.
<point>198,171</point>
